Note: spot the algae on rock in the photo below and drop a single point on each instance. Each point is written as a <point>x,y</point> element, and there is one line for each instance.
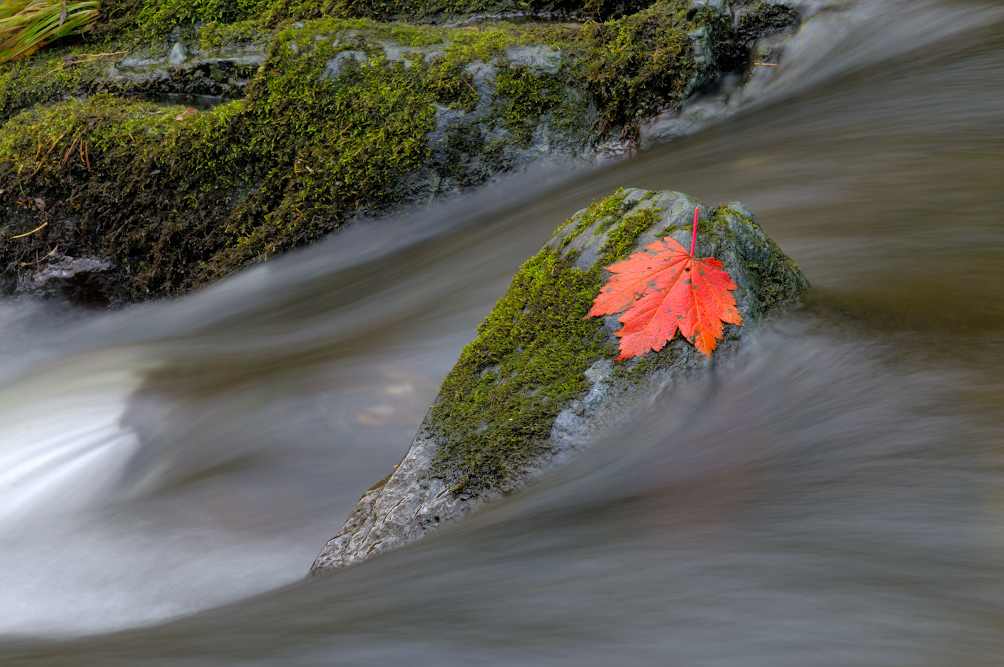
<point>540,379</point>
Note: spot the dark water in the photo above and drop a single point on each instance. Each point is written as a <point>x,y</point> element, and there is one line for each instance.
<point>197,102</point>
<point>836,497</point>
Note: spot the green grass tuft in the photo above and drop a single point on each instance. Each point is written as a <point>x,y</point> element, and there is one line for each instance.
<point>28,25</point>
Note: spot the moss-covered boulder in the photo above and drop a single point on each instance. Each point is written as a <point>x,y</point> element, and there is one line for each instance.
<point>333,118</point>
<point>321,111</point>
<point>541,378</point>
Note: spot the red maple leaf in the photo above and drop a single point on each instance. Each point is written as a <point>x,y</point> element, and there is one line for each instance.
<point>664,289</point>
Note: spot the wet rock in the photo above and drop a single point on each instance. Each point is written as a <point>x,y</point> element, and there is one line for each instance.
<point>764,18</point>
<point>709,55</point>
<point>738,58</point>
<point>80,280</point>
<point>178,55</point>
<point>337,65</point>
<point>696,113</point>
<point>409,55</point>
<point>723,43</point>
<point>538,57</point>
<point>386,116</point>
<point>222,73</point>
<point>765,63</point>
<point>719,6</point>
<point>540,380</point>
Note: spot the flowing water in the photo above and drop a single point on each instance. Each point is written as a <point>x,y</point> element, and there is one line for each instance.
<point>834,497</point>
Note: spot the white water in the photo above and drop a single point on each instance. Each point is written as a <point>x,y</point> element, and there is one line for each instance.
<point>62,446</point>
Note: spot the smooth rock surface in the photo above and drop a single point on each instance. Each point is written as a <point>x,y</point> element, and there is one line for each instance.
<point>418,497</point>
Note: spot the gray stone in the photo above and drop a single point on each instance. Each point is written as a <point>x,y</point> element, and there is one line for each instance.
<point>696,113</point>
<point>81,280</point>
<point>187,70</point>
<point>538,57</point>
<point>178,55</point>
<point>719,6</point>
<point>705,66</point>
<point>337,65</point>
<point>705,39</point>
<point>409,54</point>
<point>415,500</point>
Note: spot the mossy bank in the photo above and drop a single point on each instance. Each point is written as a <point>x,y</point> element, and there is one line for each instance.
<point>322,113</point>
<point>540,379</point>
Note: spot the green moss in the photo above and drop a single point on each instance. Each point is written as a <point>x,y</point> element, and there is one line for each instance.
<point>624,233</point>
<point>163,15</point>
<point>632,65</point>
<point>347,127</point>
<point>119,178</point>
<point>346,117</point>
<point>777,275</point>
<point>635,62</point>
<point>243,19</point>
<point>334,142</point>
<point>227,21</point>
<point>331,127</point>
<point>445,10</point>
<point>763,19</point>
<point>640,63</point>
<point>524,97</point>
<point>498,405</point>
<point>41,78</point>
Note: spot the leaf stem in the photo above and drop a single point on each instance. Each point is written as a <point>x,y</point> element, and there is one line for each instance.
<point>693,240</point>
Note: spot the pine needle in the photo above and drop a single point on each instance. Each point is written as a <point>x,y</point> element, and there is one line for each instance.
<point>39,228</point>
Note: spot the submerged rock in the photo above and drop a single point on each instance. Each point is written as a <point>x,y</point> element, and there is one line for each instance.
<point>540,379</point>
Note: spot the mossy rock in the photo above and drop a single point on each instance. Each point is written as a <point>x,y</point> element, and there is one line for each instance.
<point>345,118</point>
<point>337,118</point>
<point>764,18</point>
<point>320,119</point>
<point>211,48</point>
<point>153,18</point>
<point>540,379</point>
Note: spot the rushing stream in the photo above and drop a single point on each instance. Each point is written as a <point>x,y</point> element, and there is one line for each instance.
<point>834,497</point>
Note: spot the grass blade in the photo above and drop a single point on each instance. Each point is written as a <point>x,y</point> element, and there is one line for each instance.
<point>28,25</point>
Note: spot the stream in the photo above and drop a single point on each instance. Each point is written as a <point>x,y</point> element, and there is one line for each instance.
<point>834,496</point>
